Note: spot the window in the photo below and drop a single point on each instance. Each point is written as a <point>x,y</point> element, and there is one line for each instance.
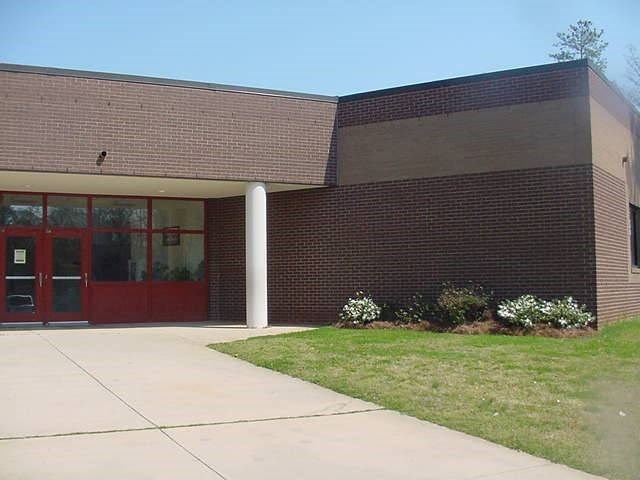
<point>119,213</point>
<point>132,239</point>
<point>119,256</point>
<point>66,211</point>
<point>178,240</point>
<point>634,234</point>
<point>178,214</point>
<point>20,210</point>
<point>178,256</point>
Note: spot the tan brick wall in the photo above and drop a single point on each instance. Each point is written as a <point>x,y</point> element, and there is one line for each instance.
<point>61,123</point>
<point>617,289</point>
<point>614,131</point>
<point>528,135</point>
<point>615,134</point>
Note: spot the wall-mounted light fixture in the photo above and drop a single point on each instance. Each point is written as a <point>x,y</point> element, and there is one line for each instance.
<point>101,157</point>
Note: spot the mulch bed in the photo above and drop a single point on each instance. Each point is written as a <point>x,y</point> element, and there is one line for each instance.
<point>476,328</point>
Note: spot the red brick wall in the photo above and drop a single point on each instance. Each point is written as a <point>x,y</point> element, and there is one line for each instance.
<point>528,231</point>
<point>61,123</point>
<point>535,84</point>
<point>618,289</point>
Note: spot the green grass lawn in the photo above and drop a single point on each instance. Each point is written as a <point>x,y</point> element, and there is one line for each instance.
<point>574,401</point>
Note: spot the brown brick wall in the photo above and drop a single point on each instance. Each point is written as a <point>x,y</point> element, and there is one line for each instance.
<point>225,226</point>
<point>61,123</point>
<point>515,232</point>
<point>457,95</point>
<point>618,289</point>
<point>212,254</point>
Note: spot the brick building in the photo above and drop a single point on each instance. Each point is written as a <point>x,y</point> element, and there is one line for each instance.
<point>129,198</point>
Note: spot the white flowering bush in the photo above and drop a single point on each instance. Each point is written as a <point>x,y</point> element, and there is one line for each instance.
<point>360,310</point>
<point>528,310</point>
<point>522,312</point>
<point>565,313</point>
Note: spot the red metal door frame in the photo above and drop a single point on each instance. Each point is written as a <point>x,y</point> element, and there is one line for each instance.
<point>43,234</point>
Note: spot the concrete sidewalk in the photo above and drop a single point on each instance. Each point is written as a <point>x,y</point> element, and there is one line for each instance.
<point>153,402</point>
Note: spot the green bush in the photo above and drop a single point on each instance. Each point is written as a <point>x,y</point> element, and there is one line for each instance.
<point>388,311</point>
<point>416,310</point>
<point>458,305</point>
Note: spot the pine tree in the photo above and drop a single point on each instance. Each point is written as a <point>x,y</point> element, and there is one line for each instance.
<point>582,40</point>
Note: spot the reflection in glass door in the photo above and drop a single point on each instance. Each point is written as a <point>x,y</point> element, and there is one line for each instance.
<point>65,280</point>
<point>22,278</point>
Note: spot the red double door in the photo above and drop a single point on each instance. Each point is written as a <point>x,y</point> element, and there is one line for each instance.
<point>44,276</point>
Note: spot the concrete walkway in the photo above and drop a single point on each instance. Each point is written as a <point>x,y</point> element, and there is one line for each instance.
<point>153,402</point>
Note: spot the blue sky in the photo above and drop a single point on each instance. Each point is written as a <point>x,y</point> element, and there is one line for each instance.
<point>327,47</point>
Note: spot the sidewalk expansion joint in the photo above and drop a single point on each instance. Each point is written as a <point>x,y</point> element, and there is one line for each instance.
<point>192,425</point>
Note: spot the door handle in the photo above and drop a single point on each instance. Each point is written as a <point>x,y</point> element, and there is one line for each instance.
<point>86,280</point>
<point>40,279</point>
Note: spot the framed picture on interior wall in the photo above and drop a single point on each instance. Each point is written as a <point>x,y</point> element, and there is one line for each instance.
<point>170,239</point>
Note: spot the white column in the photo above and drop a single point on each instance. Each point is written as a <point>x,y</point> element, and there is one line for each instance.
<point>256,253</point>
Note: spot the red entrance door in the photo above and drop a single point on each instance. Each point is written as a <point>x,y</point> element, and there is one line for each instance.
<point>22,276</point>
<point>66,279</point>
<point>44,276</point>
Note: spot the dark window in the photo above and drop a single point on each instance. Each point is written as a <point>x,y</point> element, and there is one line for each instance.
<point>119,213</point>
<point>20,210</point>
<point>119,256</point>
<point>66,211</point>
<point>634,234</point>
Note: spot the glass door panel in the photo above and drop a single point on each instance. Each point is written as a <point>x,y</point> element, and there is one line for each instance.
<point>66,276</point>
<point>22,278</point>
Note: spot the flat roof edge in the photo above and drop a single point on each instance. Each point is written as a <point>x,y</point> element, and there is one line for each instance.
<point>514,72</point>
<point>614,88</point>
<point>117,77</point>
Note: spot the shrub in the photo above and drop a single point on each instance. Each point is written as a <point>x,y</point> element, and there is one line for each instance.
<point>360,310</point>
<point>565,313</point>
<point>387,311</point>
<point>525,311</point>
<point>458,305</point>
<point>416,310</point>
